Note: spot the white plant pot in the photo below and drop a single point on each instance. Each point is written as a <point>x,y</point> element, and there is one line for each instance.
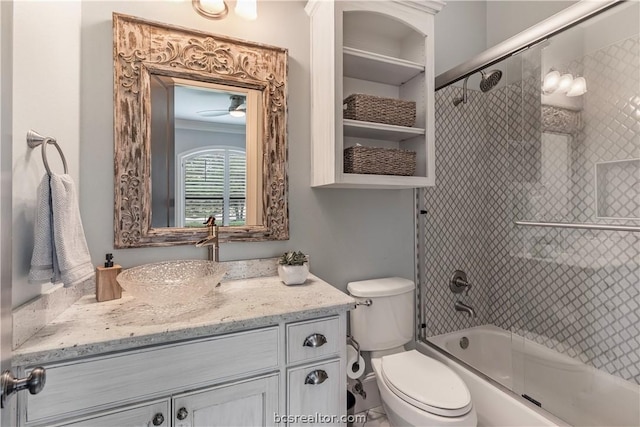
<point>293,274</point>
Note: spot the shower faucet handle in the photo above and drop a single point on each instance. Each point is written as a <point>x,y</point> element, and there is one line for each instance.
<point>459,283</point>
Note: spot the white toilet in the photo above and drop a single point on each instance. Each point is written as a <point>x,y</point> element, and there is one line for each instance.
<point>415,389</point>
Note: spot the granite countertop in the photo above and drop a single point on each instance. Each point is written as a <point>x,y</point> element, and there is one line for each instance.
<point>91,328</point>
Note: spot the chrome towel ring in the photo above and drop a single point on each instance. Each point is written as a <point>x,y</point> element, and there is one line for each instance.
<point>34,139</point>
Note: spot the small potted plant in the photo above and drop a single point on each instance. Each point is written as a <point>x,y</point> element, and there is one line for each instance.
<point>293,268</point>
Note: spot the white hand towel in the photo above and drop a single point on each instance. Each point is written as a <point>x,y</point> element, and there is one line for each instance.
<point>42,258</point>
<point>71,250</point>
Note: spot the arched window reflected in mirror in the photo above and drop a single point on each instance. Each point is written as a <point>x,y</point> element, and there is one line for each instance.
<point>212,182</point>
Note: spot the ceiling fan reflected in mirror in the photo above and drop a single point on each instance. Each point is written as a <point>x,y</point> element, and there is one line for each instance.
<point>237,108</point>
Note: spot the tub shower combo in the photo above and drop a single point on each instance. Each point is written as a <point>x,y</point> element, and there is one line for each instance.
<point>529,243</point>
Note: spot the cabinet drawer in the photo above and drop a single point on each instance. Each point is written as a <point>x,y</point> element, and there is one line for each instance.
<point>75,388</point>
<point>315,391</point>
<point>149,414</point>
<point>313,339</point>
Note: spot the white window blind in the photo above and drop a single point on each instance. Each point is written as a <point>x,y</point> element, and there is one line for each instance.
<point>215,184</point>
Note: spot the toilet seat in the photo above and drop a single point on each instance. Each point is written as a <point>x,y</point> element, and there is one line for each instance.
<point>426,384</point>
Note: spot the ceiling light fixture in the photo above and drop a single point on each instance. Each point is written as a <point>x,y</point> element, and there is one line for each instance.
<point>237,108</point>
<point>211,9</point>
<point>218,9</point>
<point>554,82</point>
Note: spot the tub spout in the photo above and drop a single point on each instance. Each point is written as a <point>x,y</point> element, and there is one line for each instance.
<point>460,306</point>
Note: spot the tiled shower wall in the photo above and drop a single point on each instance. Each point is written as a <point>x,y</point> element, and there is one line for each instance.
<point>576,291</point>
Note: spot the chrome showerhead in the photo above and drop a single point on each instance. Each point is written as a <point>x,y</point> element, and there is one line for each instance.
<point>490,80</point>
<point>457,101</point>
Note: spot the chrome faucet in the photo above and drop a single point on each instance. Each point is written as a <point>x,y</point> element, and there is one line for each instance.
<point>211,241</point>
<point>460,306</point>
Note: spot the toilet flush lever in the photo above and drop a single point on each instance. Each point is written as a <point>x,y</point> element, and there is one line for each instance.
<point>459,283</point>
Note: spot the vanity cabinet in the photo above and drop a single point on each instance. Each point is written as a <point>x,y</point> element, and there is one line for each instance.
<point>246,378</point>
<point>381,48</point>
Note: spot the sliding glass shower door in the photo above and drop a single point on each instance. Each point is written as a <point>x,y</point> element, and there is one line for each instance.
<point>537,200</point>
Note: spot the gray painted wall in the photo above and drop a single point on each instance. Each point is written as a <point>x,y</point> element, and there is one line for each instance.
<point>349,234</point>
<point>461,32</point>
<point>507,18</point>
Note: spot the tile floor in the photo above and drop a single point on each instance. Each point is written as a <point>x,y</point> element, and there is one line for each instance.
<point>375,417</point>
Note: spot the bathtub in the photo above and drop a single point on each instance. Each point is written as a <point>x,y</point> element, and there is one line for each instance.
<point>576,394</point>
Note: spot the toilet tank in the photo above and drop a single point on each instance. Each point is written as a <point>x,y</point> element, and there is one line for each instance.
<point>388,322</point>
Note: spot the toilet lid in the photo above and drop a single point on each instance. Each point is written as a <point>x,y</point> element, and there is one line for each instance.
<point>426,384</point>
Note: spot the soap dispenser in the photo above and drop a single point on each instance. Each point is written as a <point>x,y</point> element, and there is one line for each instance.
<point>107,287</point>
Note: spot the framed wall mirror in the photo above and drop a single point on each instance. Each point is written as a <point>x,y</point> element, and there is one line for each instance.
<point>200,130</point>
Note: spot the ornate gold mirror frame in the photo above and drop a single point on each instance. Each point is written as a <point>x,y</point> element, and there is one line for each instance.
<point>142,48</point>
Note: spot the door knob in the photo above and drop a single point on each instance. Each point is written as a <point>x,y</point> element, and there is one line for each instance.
<point>182,414</point>
<point>34,383</point>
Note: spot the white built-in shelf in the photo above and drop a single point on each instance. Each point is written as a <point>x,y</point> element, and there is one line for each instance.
<point>356,180</point>
<point>360,64</point>
<point>370,130</point>
<point>346,38</point>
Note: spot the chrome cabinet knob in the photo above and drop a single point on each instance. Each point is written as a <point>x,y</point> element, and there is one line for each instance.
<point>182,414</point>
<point>34,383</point>
<point>158,419</point>
<point>315,340</point>
<point>316,377</point>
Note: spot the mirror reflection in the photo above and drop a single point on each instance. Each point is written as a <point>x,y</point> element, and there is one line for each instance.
<point>199,143</point>
<point>179,162</point>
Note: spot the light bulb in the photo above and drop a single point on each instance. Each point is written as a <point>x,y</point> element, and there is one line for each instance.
<point>247,9</point>
<point>551,82</point>
<point>578,87</point>
<point>565,83</point>
<point>237,113</point>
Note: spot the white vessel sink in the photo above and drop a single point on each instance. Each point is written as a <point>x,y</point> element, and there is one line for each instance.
<point>171,282</point>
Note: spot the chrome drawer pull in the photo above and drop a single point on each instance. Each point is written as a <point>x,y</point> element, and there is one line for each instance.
<point>315,340</point>
<point>316,377</point>
<point>158,419</point>
<point>182,414</point>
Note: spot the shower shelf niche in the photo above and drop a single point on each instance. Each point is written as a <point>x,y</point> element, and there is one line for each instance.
<point>384,49</point>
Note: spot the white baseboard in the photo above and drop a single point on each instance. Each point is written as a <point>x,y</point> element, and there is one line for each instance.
<point>373,395</point>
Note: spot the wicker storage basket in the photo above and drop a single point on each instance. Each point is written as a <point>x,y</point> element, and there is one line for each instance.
<point>379,161</point>
<point>369,108</point>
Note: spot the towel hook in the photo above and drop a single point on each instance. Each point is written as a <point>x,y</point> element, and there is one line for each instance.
<point>34,139</point>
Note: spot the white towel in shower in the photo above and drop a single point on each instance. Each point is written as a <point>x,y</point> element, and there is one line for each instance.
<point>70,259</point>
